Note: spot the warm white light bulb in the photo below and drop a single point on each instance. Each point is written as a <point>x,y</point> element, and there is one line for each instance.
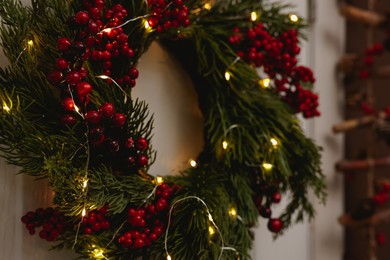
<point>103,77</point>
<point>265,82</point>
<point>207,6</point>
<point>233,212</point>
<point>85,184</point>
<point>211,218</point>
<point>84,212</point>
<point>6,108</point>
<point>30,43</point>
<point>147,25</point>
<point>294,18</point>
<point>253,16</point>
<point>159,180</point>
<point>225,145</point>
<point>98,254</point>
<point>274,142</point>
<point>193,163</point>
<point>169,257</point>
<point>267,166</point>
<point>211,230</point>
<point>76,108</point>
<point>227,75</point>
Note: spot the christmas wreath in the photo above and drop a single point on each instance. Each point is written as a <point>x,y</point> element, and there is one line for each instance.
<point>68,116</point>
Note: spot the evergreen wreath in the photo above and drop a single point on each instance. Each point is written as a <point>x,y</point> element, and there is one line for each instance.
<point>67,115</point>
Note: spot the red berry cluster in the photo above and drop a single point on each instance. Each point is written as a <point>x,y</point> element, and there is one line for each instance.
<point>368,60</point>
<point>382,196</point>
<point>96,221</point>
<point>264,206</point>
<point>53,223</point>
<point>145,224</point>
<point>106,47</point>
<point>168,14</point>
<point>380,238</point>
<point>277,55</point>
<point>95,41</point>
<point>108,135</point>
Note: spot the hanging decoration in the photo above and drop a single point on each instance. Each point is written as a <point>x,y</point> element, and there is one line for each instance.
<point>68,115</point>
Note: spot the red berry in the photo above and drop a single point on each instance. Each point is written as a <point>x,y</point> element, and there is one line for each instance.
<point>380,239</point>
<point>93,27</point>
<point>68,103</point>
<point>131,160</point>
<point>276,197</point>
<point>129,143</point>
<point>68,120</point>
<point>133,73</point>
<point>275,225</point>
<point>96,227</point>
<point>62,64</point>
<point>43,234</point>
<point>142,144</point>
<point>47,226</point>
<point>265,212</point>
<point>63,44</point>
<point>161,204</point>
<point>83,89</point>
<point>93,117</point>
<point>81,18</point>
<point>119,120</point>
<point>54,233</point>
<point>107,110</point>
<point>143,160</point>
<point>139,243</point>
<point>88,230</point>
<point>153,237</point>
<point>55,77</point>
<point>73,77</point>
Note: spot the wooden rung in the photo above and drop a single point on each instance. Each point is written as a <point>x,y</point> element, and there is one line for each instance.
<point>353,165</point>
<point>382,72</point>
<point>347,63</point>
<point>375,219</point>
<point>360,15</point>
<point>351,124</point>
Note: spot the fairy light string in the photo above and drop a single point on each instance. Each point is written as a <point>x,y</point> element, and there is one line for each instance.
<point>210,218</point>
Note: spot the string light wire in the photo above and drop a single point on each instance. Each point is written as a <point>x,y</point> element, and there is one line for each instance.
<point>210,217</point>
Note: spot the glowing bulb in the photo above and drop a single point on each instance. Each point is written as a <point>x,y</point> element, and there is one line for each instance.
<point>207,6</point>
<point>76,108</point>
<point>227,75</point>
<point>103,77</point>
<point>265,82</point>
<point>293,18</point>
<point>169,257</point>
<point>6,108</point>
<point>267,166</point>
<point>274,142</point>
<point>84,212</point>
<point>193,163</point>
<point>211,230</point>
<point>85,184</point>
<point>30,43</point>
<point>98,254</point>
<point>211,218</point>
<point>225,145</point>
<point>107,30</point>
<point>159,180</point>
<point>253,16</point>
<point>147,26</point>
<point>233,212</point>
